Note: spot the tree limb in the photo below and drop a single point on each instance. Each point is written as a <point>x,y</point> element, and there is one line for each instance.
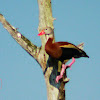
<point>32,49</point>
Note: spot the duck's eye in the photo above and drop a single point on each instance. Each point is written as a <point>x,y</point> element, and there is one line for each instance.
<point>46,28</point>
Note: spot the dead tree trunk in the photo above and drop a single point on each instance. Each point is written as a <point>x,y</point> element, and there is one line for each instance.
<point>50,66</point>
<point>55,91</point>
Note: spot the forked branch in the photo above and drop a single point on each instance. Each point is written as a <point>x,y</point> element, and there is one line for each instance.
<point>49,66</point>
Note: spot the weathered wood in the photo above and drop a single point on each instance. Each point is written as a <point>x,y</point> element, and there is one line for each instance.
<point>50,65</point>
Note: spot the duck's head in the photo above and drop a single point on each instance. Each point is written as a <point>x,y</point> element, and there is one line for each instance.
<point>48,32</point>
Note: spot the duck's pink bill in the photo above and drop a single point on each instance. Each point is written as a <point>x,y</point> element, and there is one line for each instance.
<point>41,33</point>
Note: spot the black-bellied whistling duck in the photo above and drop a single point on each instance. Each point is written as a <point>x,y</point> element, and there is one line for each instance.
<point>61,50</point>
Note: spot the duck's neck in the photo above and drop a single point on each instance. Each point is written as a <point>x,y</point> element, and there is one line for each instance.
<point>48,45</point>
<point>49,42</point>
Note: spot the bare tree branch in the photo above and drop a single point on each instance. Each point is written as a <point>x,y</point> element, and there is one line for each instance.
<point>32,49</point>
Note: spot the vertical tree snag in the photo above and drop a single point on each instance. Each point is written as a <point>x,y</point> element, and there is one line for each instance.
<point>55,91</point>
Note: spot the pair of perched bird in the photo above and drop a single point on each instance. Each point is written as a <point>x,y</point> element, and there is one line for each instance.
<point>61,50</point>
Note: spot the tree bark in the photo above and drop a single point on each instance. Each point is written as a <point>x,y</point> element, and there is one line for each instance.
<point>50,66</point>
<point>55,91</point>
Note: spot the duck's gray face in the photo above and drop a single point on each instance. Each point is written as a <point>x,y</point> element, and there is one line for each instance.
<point>48,32</point>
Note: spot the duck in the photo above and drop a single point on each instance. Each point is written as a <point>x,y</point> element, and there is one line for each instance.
<point>62,51</point>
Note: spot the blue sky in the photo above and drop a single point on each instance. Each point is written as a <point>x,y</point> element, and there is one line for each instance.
<point>76,21</point>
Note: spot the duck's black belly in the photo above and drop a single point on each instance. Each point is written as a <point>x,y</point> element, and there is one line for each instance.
<point>68,53</point>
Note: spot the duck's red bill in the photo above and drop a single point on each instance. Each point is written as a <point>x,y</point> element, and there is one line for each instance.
<point>41,33</point>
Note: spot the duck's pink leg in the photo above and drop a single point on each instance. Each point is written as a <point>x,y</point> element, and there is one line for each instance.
<point>73,60</point>
<point>63,69</point>
<point>61,73</point>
